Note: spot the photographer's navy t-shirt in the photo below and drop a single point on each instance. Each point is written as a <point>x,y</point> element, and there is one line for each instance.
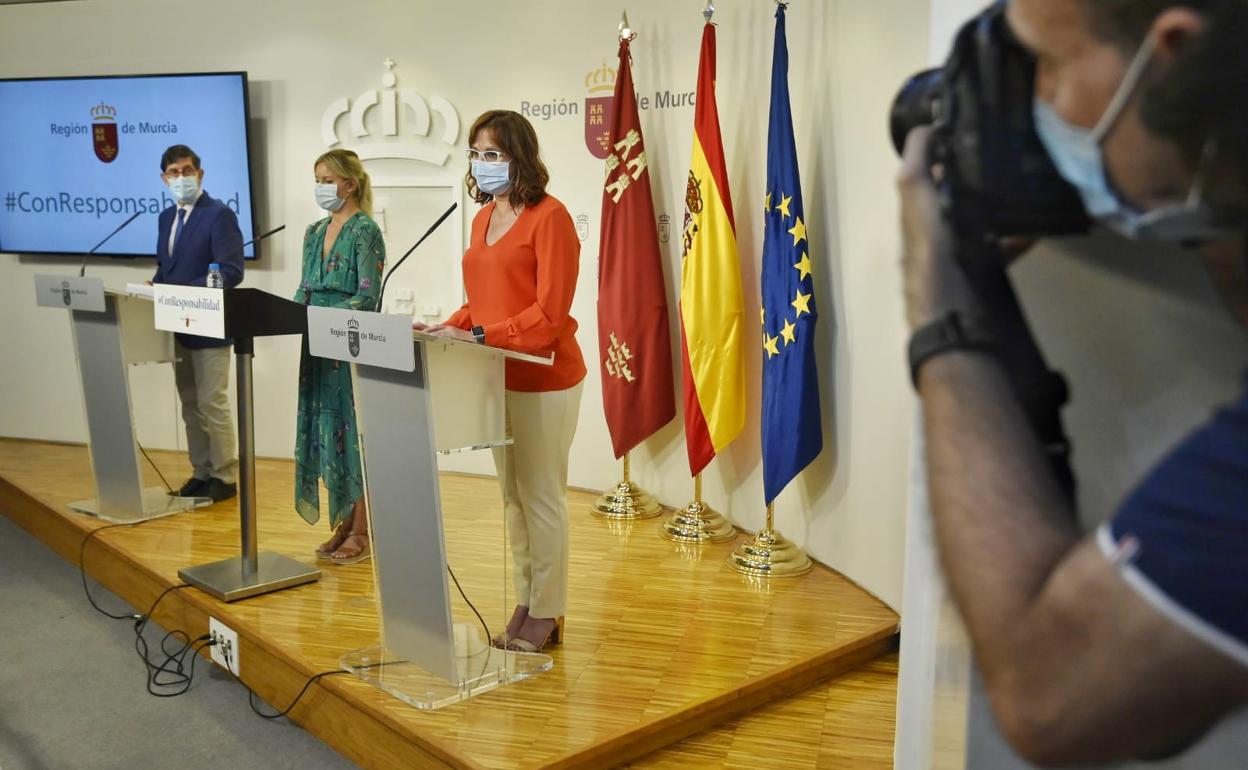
<point>1181,537</point>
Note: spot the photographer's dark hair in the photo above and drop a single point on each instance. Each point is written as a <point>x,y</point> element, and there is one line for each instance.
<point>1202,96</point>
<point>176,153</point>
<point>514,135</point>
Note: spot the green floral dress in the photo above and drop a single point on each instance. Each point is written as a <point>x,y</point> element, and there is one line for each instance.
<point>326,435</point>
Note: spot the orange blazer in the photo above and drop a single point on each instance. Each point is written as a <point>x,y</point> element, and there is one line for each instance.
<point>520,290</point>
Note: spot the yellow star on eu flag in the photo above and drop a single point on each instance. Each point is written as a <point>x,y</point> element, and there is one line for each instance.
<point>803,267</point>
<point>769,344</point>
<point>789,332</point>
<point>783,208</point>
<point>767,203</point>
<point>801,304</point>
<point>798,232</point>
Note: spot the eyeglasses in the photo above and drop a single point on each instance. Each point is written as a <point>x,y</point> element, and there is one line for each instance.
<point>174,173</point>
<point>489,156</point>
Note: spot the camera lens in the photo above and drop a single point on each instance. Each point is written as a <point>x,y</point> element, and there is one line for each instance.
<point>916,105</point>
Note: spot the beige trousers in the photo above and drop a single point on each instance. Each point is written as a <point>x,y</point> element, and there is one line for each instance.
<point>203,381</point>
<point>533,473</point>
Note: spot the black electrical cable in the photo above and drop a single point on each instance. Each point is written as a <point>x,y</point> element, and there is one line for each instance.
<point>141,622</point>
<point>488,636</point>
<point>176,676</point>
<point>176,658</point>
<point>251,695</point>
<point>185,641</point>
<point>181,677</point>
<point>82,572</point>
<point>170,672</point>
<point>150,462</point>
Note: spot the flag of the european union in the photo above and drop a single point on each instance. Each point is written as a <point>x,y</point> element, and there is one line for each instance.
<point>792,433</point>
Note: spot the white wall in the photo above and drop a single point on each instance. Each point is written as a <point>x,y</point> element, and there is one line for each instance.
<point>847,59</point>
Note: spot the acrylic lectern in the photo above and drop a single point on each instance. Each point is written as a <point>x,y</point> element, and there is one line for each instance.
<point>418,396</point>
<point>113,331</point>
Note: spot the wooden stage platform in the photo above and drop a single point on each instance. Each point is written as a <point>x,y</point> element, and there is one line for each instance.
<point>663,642</point>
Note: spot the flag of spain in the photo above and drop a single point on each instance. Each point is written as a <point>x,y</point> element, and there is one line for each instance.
<point>712,312</point>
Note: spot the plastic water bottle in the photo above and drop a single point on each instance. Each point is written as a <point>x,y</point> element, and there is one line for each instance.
<point>215,281</point>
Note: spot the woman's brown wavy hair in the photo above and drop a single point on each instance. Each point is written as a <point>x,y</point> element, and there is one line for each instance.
<point>514,135</point>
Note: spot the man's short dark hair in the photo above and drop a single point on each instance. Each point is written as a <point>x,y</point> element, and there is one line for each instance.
<point>1200,98</point>
<point>176,153</point>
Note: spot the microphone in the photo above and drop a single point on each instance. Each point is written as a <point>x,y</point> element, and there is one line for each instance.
<point>83,270</point>
<point>381,294</point>
<point>259,238</point>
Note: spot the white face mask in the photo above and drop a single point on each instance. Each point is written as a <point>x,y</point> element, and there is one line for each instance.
<point>327,197</point>
<point>1079,158</point>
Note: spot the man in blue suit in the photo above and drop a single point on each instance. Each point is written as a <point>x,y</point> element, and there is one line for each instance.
<point>195,232</point>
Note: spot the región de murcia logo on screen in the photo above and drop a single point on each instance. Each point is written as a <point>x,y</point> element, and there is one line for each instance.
<point>104,132</point>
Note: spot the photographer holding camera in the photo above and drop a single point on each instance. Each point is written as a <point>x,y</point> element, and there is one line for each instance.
<point>1131,641</point>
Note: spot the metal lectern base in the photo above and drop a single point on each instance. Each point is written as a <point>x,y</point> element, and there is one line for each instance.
<point>479,667</point>
<point>156,503</point>
<point>225,579</point>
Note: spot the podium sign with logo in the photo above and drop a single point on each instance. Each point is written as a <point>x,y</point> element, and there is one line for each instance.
<point>195,310</point>
<point>373,339</point>
<point>69,292</point>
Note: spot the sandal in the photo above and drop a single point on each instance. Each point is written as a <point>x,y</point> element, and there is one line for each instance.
<point>344,556</point>
<point>325,550</point>
<point>553,636</point>
<point>514,625</point>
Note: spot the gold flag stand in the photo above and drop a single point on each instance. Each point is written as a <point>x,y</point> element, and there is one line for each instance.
<point>627,502</point>
<point>769,554</point>
<point>697,522</point>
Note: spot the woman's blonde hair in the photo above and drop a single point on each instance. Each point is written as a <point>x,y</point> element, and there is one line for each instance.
<point>347,165</point>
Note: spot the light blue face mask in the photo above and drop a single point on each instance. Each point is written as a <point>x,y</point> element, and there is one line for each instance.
<point>184,188</point>
<point>492,178</point>
<point>1076,152</point>
<point>327,197</point>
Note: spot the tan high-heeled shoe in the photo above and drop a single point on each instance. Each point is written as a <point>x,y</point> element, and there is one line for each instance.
<point>553,636</point>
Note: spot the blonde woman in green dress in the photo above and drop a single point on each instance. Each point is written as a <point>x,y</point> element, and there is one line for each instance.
<point>343,256</point>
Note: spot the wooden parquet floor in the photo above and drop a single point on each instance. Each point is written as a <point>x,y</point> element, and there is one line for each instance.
<point>846,724</point>
<point>663,642</point>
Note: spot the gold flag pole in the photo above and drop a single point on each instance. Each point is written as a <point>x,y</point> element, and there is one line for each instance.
<point>769,554</point>
<point>697,522</point>
<point>627,501</point>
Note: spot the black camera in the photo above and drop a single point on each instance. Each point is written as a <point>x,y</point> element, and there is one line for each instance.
<point>997,179</point>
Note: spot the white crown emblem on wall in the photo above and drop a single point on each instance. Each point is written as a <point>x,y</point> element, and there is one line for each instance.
<point>417,121</point>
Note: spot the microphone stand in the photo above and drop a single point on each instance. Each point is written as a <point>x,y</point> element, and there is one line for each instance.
<point>83,269</point>
<point>382,293</point>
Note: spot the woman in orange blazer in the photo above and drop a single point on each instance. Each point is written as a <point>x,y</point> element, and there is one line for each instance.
<point>520,274</point>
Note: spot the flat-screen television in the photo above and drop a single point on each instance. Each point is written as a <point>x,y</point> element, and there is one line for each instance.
<point>79,155</point>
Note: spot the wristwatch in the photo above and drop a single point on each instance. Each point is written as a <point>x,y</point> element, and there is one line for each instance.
<point>952,331</point>
<point>478,334</point>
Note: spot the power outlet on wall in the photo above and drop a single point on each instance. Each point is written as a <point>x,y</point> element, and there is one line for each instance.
<point>225,651</point>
